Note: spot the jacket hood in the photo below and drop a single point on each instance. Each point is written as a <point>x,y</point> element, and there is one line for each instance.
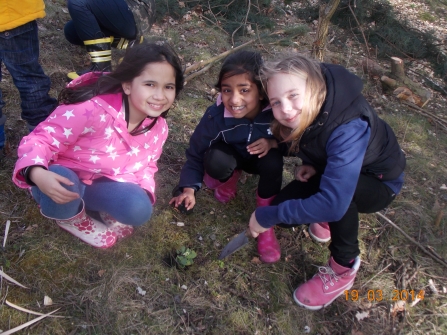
<point>343,87</point>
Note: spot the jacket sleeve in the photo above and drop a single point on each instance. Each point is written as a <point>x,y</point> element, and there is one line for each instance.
<point>145,176</point>
<point>345,149</point>
<point>51,137</point>
<point>206,132</point>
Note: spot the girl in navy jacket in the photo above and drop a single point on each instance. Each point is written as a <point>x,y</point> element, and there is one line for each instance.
<point>351,163</point>
<point>234,135</point>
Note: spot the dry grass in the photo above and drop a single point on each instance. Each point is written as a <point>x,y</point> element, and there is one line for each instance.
<point>98,289</point>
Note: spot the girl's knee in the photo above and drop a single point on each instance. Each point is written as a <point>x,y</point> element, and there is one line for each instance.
<point>139,212</point>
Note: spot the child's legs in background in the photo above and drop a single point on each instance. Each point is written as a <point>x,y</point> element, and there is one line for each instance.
<point>60,211</point>
<point>92,19</point>
<point>126,202</point>
<point>371,195</point>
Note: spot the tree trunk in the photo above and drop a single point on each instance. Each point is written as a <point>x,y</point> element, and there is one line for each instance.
<point>326,12</point>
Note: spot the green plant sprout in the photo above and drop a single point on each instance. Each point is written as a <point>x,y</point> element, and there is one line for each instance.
<point>185,257</point>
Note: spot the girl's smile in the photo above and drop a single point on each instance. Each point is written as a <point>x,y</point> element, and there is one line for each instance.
<point>286,94</point>
<point>240,96</point>
<point>151,93</point>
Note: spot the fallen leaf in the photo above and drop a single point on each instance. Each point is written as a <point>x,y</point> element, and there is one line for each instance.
<point>101,272</point>
<point>362,315</point>
<point>256,260</point>
<point>399,306</point>
<point>47,301</point>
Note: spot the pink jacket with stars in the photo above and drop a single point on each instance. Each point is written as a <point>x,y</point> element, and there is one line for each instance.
<point>91,138</point>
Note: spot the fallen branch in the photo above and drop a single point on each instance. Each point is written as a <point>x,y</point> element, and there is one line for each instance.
<point>201,64</point>
<point>10,304</point>
<point>435,256</point>
<point>197,73</point>
<point>29,323</point>
<point>423,112</point>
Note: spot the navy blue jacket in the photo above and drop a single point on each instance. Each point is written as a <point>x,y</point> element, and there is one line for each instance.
<point>346,139</point>
<point>217,124</point>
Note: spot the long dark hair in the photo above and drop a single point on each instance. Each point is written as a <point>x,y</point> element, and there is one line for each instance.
<point>240,62</point>
<point>135,59</point>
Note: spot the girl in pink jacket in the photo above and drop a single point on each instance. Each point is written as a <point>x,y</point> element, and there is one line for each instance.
<point>98,150</point>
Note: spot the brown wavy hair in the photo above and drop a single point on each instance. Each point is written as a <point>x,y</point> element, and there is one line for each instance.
<point>310,70</point>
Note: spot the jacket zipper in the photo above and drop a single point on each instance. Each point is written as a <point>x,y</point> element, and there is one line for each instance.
<point>249,134</point>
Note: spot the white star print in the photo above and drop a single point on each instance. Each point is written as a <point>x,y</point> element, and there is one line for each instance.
<point>163,130</point>
<point>103,118</point>
<point>110,148</point>
<point>67,132</point>
<point>69,114</point>
<point>155,138</point>
<point>137,165</point>
<point>95,170</point>
<point>37,160</point>
<point>76,148</point>
<point>146,177</point>
<point>55,142</point>
<point>117,170</point>
<point>89,130</point>
<point>135,151</point>
<point>146,146</point>
<point>113,155</point>
<point>94,158</point>
<point>49,129</point>
<point>121,180</point>
<point>108,132</point>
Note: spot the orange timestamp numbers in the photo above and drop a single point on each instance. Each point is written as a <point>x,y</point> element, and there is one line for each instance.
<point>378,295</point>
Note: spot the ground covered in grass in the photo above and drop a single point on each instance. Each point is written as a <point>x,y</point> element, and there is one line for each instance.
<point>136,287</point>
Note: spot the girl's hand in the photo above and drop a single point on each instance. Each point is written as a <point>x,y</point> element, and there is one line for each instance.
<point>255,227</point>
<point>50,184</point>
<point>304,172</point>
<point>187,196</point>
<point>261,147</point>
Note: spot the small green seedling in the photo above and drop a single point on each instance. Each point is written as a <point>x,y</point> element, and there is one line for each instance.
<point>185,257</point>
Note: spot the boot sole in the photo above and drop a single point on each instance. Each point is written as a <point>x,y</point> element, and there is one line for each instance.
<point>316,308</point>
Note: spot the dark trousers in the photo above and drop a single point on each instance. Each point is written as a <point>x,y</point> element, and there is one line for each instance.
<point>371,195</point>
<point>222,159</point>
<point>93,19</point>
<point>19,51</point>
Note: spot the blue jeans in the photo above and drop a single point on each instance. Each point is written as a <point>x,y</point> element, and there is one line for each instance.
<point>93,19</point>
<point>126,202</point>
<point>19,51</point>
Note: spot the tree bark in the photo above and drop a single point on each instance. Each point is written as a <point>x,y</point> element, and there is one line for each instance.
<point>326,12</point>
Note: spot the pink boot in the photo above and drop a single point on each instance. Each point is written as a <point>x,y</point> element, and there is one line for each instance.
<point>268,247</point>
<point>88,230</point>
<point>226,191</point>
<point>120,229</point>
<point>320,232</point>
<point>329,283</point>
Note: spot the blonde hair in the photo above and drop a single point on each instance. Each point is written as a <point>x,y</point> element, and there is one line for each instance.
<point>310,70</point>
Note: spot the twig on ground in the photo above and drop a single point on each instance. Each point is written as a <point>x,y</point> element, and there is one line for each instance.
<point>378,273</point>
<point>432,286</point>
<point>197,73</point>
<point>433,255</point>
<point>361,30</point>
<point>434,117</point>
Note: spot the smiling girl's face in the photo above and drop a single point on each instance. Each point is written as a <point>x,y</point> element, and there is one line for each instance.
<point>241,96</point>
<point>152,92</point>
<point>286,94</point>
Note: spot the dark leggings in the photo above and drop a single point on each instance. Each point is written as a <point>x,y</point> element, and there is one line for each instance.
<point>93,19</point>
<point>222,159</point>
<point>371,195</point>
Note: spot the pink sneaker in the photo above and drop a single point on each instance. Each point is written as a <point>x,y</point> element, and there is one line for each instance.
<point>320,232</point>
<point>329,283</point>
<point>120,229</point>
